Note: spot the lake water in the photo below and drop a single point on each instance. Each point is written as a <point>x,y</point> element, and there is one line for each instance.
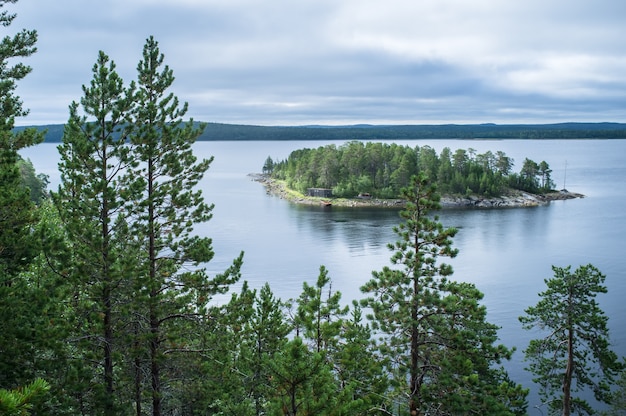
<point>507,253</point>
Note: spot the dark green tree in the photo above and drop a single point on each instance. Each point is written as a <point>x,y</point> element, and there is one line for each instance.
<point>528,175</point>
<point>504,164</point>
<point>319,315</point>
<point>172,283</point>
<point>302,382</point>
<point>37,184</point>
<point>546,179</point>
<point>268,166</point>
<point>269,331</point>
<point>359,368</point>
<point>574,355</point>
<point>19,312</point>
<point>20,45</point>
<point>17,213</point>
<point>435,341</point>
<point>16,210</point>
<point>91,208</point>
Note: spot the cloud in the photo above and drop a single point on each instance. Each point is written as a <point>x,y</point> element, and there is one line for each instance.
<point>327,61</point>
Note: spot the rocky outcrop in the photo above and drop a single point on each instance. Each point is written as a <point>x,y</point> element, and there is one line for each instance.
<point>514,199</point>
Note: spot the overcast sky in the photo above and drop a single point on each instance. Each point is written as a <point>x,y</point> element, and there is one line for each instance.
<point>296,62</point>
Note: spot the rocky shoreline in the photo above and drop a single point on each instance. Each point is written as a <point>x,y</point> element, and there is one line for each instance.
<point>515,199</point>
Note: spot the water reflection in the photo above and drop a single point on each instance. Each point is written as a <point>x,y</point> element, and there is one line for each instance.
<point>358,229</point>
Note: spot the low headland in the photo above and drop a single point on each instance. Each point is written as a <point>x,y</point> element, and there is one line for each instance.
<point>513,199</point>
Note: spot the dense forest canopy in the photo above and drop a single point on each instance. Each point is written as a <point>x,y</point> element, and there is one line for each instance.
<point>224,132</point>
<point>383,169</point>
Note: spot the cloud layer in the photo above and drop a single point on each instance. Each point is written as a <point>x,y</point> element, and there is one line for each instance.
<point>285,62</point>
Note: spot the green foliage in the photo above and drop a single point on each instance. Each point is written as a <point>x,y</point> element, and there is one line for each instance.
<point>16,209</point>
<point>172,285</point>
<point>268,166</point>
<point>19,402</point>
<point>618,396</point>
<point>435,342</point>
<point>320,316</point>
<point>35,183</point>
<point>20,45</point>
<point>35,321</point>
<point>129,205</point>
<point>90,204</point>
<point>533,177</point>
<point>303,382</point>
<point>382,170</point>
<point>17,213</point>
<point>28,301</point>
<point>359,368</point>
<point>345,343</point>
<point>574,355</point>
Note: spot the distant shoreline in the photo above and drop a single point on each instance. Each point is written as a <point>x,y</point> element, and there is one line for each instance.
<point>367,132</point>
<point>516,199</point>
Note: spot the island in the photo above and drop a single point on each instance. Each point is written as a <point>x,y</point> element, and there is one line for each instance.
<point>358,174</point>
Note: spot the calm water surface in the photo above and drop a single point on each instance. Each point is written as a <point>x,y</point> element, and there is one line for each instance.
<point>507,253</point>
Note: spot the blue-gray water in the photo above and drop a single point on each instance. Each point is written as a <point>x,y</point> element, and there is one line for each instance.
<point>506,253</point>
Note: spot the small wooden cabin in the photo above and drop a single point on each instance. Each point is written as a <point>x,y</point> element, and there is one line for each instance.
<point>320,192</point>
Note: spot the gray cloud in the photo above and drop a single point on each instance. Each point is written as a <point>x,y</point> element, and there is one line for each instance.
<point>353,61</point>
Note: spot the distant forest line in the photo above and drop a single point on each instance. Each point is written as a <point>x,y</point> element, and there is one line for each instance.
<point>239,132</point>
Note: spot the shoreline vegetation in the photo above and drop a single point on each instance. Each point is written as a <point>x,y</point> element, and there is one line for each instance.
<point>513,199</point>
<point>366,132</point>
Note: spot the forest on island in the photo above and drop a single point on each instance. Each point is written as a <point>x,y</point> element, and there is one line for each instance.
<point>107,305</point>
<point>382,170</point>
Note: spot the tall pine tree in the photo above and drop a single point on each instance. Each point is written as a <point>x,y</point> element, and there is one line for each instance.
<point>435,340</point>
<point>92,210</point>
<point>173,286</point>
<point>575,354</point>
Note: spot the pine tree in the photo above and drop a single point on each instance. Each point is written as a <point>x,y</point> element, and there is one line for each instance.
<point>435,341</point>
<point>359,370</point>
<point>18,217</point>
<point>269,330</point>
<point>92,211</point>
<point>575,353</point>
<point>17,214</point>
<point>319,314</point>
<point>618,396</point>
<point>303,382</point>
<point>16,211</point>
<point>172,284</point>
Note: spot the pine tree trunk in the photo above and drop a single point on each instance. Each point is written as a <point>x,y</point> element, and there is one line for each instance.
<point>569,370</point>
<point>106,299</point>
<point>154,364</point>
<point>108,354</point>
<point>138,377</point>
<point>154,298</point>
